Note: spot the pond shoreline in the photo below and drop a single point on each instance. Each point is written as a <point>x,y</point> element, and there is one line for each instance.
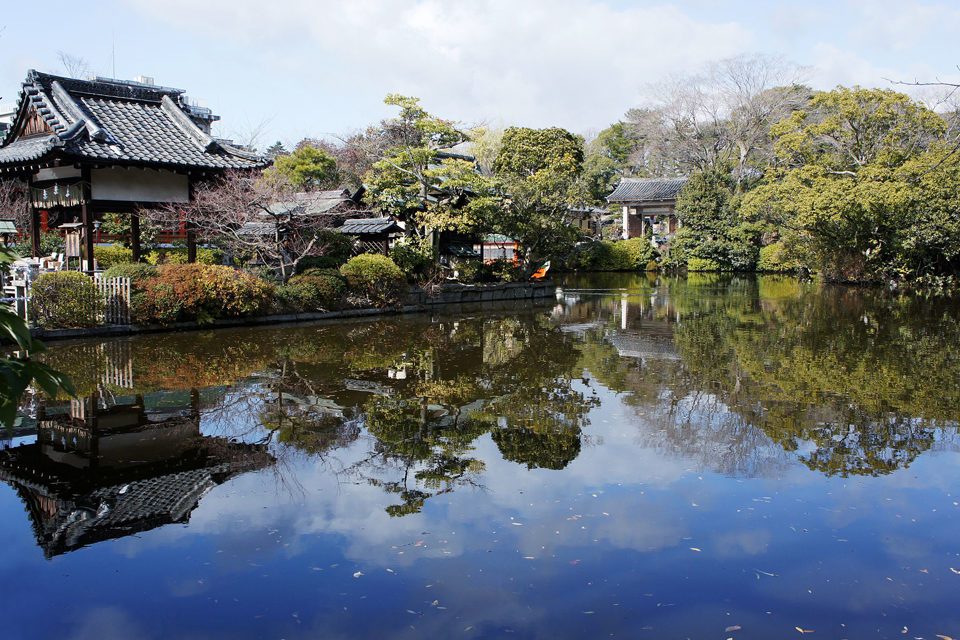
<point>417,301</point>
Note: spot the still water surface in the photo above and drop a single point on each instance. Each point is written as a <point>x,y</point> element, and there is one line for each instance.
<point>641,458</point>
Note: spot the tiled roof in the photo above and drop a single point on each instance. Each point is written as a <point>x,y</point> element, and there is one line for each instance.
<point>646,190</point>
<point>117,122</point>
<point>366,226</point>
<point>316,202</point>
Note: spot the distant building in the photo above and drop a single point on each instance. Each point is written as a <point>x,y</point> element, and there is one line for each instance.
<point>649,207</point>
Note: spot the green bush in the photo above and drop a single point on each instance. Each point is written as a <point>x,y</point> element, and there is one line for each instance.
<point>415,258</point>
<point>178,255</point>
<point>469,271</point>
<point>203,293</point>
<point>776,258</point>
<point>634,254</point>
<point>702,264</point>
<point>63,299</point>
<point>137,272</point>
<point>504,270</point>
<point>316,290</point>
<point>375,279</point>
<point>109,255</point>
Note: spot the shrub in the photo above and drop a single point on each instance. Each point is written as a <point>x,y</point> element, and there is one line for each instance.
<point>64,299</point>
<point>178,255</point>
<point>608,255</point>
<point>776,258</point>
<point>504,270</point>
<point>702,264</point>
<point>317,290</point>
<point>203,292</point>
<point>137,272</point>
<point>375,279</point>
<point>414,257</point>
<point>473,271</point>
<point>112,254</point>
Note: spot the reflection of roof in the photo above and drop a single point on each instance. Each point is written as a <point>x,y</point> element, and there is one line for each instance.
<point>643,190</point>
<point>114,122</point>
<point>73,508</point>
<point>635,344</point>
<point>369,226</point>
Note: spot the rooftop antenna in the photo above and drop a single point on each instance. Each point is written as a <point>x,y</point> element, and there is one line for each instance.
<point>113,52</point>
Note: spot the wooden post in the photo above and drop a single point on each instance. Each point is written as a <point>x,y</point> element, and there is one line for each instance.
<point>191,244</point>
<point>35,230</point>
<point>135,236</point>
<point>88,232</point>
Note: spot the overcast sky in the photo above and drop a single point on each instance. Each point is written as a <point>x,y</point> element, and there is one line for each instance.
<point>318,67</point>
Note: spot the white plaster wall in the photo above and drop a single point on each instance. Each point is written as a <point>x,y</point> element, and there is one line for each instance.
<point>139,185</point>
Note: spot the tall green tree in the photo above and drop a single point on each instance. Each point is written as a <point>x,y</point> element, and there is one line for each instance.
<point>540,170</point>
<point>711,226</point>
<point>847,183</point>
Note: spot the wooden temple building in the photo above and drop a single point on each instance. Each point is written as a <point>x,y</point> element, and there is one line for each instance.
<point>89,147</point>
<point>649,207</point>
<point>99,471</point>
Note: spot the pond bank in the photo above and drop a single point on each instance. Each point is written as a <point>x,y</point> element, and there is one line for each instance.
<point>417,301</point>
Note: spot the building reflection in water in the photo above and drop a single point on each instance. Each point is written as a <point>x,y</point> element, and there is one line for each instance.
<point>105,468</point>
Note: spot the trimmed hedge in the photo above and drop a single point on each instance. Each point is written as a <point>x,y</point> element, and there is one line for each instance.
<point>112,254</point>
<point>137,272</point>
<point>375,279</point>
<point>203,292</point>
<point>634,254</point>
<point>65,299</point>
<point>178,255</point>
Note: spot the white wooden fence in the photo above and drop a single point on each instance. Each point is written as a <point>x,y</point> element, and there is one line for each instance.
<point>116,299</point>
<point>114,292</point>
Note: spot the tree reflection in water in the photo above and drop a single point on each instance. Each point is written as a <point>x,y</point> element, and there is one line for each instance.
<point>741,376</point>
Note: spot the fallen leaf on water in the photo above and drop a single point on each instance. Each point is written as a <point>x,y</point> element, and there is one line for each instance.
<point>735,627</point>
<point>956,571</point>
<point>697,549</point>
<point>942,637</point>
<point>358,574</point>
<point>804,630</point>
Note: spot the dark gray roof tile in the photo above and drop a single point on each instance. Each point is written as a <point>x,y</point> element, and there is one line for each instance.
<point>646,190</point>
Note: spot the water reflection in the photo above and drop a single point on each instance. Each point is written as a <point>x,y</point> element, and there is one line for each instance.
<point>635,436</point>
<point>107,467</point>
<point>738,375</point>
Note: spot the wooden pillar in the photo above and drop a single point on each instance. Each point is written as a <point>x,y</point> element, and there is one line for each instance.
<point>35,230</point>
<point>135,236</point>
<point>88,232</point>
<point>191,244</point>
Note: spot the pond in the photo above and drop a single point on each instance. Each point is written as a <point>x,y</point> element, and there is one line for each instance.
<point>641,457</point>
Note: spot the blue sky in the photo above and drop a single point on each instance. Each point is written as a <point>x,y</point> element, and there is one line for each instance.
<point>297,68</point>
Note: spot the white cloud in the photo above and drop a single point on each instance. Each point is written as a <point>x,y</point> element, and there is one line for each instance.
<point>574,63</point>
